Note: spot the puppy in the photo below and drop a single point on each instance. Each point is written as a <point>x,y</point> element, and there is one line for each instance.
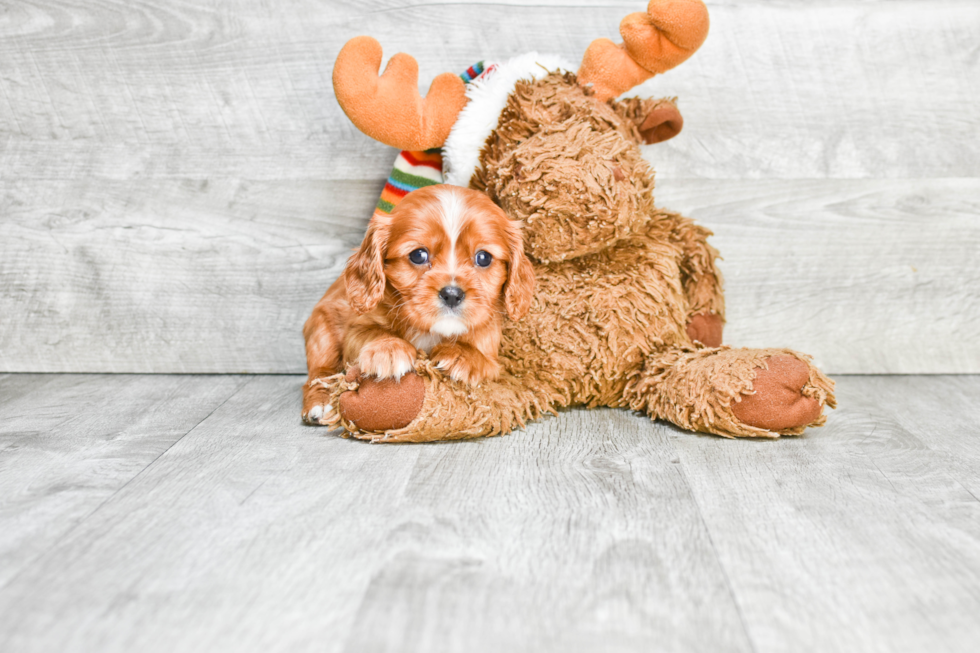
<point>435,275</point>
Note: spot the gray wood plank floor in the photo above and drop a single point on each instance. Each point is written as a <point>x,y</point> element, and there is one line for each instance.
<point>196,513</point>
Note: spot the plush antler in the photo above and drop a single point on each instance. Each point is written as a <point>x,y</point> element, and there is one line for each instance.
<point>666,35</point>
<point>389,108</point>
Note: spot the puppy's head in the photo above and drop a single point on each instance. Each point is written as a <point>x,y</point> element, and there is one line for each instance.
<point>450,259</point>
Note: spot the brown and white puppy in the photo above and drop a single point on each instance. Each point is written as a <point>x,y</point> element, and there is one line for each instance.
<point>436,275</point>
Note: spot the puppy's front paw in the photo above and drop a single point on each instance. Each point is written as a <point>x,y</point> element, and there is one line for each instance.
<point>464,363</point>
<point>387,358</point>
<point>316,405</point>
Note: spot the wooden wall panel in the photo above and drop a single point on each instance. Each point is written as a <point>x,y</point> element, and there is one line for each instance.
<point>178,185</point>
<point>170,276</point>
<point>868,276</point>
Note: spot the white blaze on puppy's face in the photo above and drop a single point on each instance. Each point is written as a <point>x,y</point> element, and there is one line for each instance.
<point>452,212</point>
<point>454,218</point>
<point>453,215</point>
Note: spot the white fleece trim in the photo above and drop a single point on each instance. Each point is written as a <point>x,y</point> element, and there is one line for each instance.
<point>487,98</point>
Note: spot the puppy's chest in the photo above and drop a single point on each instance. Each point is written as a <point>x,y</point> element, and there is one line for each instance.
<point>424,341</point>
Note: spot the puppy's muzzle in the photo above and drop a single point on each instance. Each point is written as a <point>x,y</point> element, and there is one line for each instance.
<point>452,296</point>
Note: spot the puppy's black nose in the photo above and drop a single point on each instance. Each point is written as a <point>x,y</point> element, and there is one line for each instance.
<point>452,296</point>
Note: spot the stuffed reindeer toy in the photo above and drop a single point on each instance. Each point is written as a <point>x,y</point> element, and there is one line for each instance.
<point>627,309</point>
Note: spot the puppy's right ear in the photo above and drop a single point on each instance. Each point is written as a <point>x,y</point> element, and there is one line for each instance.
<point>365,271</point>
<point>519,288</point>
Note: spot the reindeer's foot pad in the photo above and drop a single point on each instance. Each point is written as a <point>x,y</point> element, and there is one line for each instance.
<point>786,397</point>
<point>706,328</point>
<point>368,404</point>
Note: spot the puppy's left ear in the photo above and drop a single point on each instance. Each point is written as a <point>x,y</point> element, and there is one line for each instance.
<point>519,288</point>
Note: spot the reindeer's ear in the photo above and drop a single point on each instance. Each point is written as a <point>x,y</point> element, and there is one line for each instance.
<point>519,288</point>
<point>655,120</point>
<point>661,124</point>
<point>364,275</point>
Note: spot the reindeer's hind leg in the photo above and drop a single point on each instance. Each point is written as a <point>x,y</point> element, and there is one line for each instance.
<point>700,278</point>
<point>733,392</point>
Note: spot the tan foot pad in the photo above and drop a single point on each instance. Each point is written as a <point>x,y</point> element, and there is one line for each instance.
<point>382,405</point>
<point>706,329</point>
<point>779,403</point>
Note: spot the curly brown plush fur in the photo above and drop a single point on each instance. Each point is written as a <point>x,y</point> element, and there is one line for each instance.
<point>623,289</point>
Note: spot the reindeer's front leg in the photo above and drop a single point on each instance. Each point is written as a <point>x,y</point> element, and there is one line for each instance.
<point>428,405</point>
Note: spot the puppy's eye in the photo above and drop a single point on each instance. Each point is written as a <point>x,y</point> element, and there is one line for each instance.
<point>483,259</point>
<point>419,256</point>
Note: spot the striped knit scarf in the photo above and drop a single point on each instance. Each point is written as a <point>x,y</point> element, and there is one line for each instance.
<point>413,170</point>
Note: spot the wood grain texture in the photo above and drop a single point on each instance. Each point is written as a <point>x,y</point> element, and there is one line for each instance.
<point>168,276</point>
<point>254,532</point>
<point>944,419</point>
<point>252,521</point>
<point>779,90</point>
<point>68,443</point>
<point>579,535</point>
<point>179,185</point>
<point>595,530</point>
<point>857,537</point>
<point>867,276</point>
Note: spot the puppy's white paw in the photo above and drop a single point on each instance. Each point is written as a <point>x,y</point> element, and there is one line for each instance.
<point>316,403</point>
<point>318,414</point>
<point>456,373</point>
<point>388,358</point>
